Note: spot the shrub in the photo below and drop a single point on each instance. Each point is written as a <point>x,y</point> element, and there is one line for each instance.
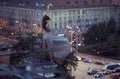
<point>85,49</point>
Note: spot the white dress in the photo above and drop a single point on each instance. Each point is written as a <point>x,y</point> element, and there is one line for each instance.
<point>59,46</point>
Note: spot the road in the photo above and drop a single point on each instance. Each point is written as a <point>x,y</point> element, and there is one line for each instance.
<point>81,71</point>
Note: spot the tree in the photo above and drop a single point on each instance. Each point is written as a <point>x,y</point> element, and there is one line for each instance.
<point>25,42</point>
<point>98,33</point>
<point>89,37</point>
<point>111,26</point>
<point>112,40</point>
<point>68,64</point>
<point>118,31</point>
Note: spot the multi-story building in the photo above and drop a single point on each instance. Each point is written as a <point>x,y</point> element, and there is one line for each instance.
<point>80,13</point>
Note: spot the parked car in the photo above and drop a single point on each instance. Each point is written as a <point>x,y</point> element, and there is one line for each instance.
<point>117,69</point>
<point>78,58</point>
<point>106,72</point>
<point>111,66</point>
<point>99,63</point>
<point>98,74</point>
<point>92,71</point>
<point>87,60</point>
<point>50,66</point>
<point>46,75</point>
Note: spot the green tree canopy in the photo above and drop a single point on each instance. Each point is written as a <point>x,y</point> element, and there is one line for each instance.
<point>99,33</point>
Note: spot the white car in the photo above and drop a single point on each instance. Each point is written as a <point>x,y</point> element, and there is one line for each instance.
<point>111,66</point>
<point>50,66</point>
<point>79,58</point>
<point>47,75</point>
<point>87,60</point>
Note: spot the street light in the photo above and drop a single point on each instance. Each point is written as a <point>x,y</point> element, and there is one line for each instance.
<point>71,35</point>
<point>77,37</point>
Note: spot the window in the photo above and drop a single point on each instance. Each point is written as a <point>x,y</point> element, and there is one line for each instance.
<point>55,24</point>
<point>76,2</point>
<point>38,4</point>
<point>60,13</point>
<point>101,1</point>
<point>55,13</point>
<point>65,21</point>
<point>4,2</point>
<point>86,2</point>
<point>68,2</point>
<point>69,12</point>
<point>60,19</point>
<point>23,3</point>
<point>74,12</point>
<point>27,2</point>
<point>78,11</point>
<point>64,18</point>
<point>93,1</point>
<point>110,1</point>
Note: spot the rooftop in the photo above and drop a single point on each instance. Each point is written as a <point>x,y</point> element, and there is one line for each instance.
<point>57,4</point>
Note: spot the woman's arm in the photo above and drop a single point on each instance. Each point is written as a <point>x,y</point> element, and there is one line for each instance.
<point>47,10</point>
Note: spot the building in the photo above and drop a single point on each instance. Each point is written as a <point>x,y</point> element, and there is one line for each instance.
<point>24,14</point>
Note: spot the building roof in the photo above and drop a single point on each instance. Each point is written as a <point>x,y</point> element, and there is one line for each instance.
<point>117,2</point>
<point>57,4</point>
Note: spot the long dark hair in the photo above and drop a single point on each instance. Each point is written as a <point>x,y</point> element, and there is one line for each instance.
<point>44,22</point>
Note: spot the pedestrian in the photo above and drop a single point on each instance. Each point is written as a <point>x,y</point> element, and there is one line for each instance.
<point>47,40</point>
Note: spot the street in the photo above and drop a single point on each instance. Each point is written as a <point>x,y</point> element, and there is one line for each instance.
<point>81,71</point>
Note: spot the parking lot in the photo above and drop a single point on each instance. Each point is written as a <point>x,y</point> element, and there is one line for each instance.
<point>81,71</point>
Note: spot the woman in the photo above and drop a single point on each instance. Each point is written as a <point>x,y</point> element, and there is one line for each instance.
<point>47,41</point>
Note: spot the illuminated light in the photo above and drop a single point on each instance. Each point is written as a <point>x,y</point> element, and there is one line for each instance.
<point>79,44</point>
<point>72,41</point>
<point>60,34</point>
<point>17,21</point>
<point>50,4</point>
<point>83,38</point>
<point>77,27</point>
<point>69,27</point>
<point>98,52</point>
<point>34,24</point>
<point>12,33</point>
<point>0,27</point>
<point>33,34</point>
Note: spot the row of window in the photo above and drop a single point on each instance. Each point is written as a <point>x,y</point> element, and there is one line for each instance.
<point>82,11</point>
<point>74,12</point>
<point>80,22</point>
<point>16,11</point>
<point>86,1</point>
<point>91,17</point>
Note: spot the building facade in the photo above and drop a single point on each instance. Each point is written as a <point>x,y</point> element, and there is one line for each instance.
<point>24,14</point>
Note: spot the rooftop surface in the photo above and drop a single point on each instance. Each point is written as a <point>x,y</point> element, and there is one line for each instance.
<point>57,4</point>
